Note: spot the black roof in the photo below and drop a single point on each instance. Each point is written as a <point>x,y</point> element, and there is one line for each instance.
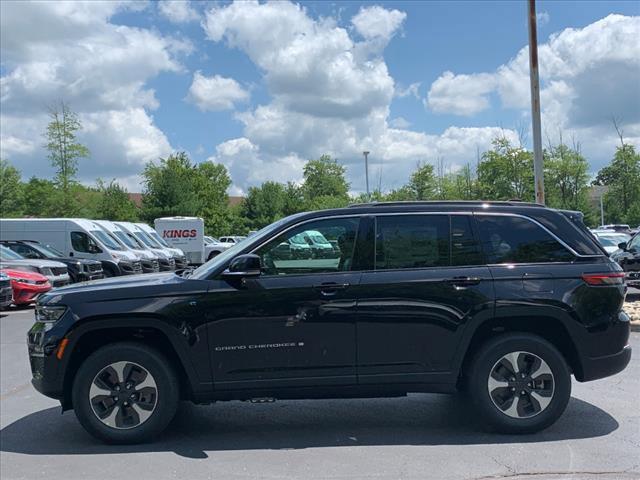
<point>448,203</point>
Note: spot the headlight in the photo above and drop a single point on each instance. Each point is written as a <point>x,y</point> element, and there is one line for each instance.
<point>24,280</point>
<point>46,271</point>
<point>49,314</point>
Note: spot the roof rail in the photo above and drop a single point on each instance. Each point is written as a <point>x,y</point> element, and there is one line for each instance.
<point>511,203</point>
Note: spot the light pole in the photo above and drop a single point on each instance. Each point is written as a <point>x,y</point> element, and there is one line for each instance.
<point>366,172</point>
<point>535,104</point>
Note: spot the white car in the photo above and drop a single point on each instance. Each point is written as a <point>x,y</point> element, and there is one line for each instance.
<point>610,239</point>
<point>56,272</point>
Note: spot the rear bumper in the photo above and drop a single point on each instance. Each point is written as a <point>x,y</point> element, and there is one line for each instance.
<point>600,367</point>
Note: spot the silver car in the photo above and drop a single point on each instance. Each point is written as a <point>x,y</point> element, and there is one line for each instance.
<point>56,272</point>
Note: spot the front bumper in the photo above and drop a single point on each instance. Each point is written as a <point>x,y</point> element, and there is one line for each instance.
<point>167,264</point>
<point>25,293</point>
<point>6,296</point>
<point>150,266</point>
<point>633,279</point>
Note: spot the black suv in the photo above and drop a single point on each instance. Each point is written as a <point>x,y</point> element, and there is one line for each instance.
<point>80,270</point>
<point>504,301</point>
<point>629,259</point>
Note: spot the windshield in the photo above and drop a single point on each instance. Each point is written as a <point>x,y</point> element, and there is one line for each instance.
<point>159,240</point>
<point>144,238</point>
<point>8,254</point>
<point>124,238</point>
<point>48,250</point>
<point>607,242</point>
<point>206,269</point>
<point>106,240</point>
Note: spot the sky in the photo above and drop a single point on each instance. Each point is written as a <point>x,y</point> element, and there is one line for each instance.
<point>262,87</point>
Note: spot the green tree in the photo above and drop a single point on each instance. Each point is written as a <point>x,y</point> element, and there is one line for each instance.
<point>324,177</point>
<point>566,177</point>
<point>265,204</point>
<point>170,188</point>
<point>64,150</point>
<point>293,199</point>
<point>423,184</point>
<point>11,191</point>
<point>622,176</point>
<point>211,182</point>
<point>506,172</point>
<point>42,198</point>
<point>114,203</point>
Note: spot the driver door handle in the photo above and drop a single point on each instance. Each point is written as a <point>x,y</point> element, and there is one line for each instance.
<point>330,288</point>
<point>464,281</point>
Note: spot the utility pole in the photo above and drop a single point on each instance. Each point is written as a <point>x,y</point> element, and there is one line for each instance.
<point>366,172</point>
<point>535,104</point>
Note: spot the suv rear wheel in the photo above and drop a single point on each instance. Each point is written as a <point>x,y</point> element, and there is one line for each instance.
<point>125,393</point>
<point>519,383</point>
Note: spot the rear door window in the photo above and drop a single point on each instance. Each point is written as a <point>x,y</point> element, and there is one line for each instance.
<point>465,247</point>
<point>510,239</point>
<point>412,241</point>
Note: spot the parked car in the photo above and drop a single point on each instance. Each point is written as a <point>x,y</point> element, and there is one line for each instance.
<point>505,300</point>
<point>26,286</point>
<point>617,227</point>
<point>179,256</point>
<point>6,292</point>
<point>80,270</point>
<point>233,239</point>
<point>80,237</point>
<point>165,258</point>
<point>55,272</point>
<point>610,239</point>
<point>628,256</point>
<point>148,260</point>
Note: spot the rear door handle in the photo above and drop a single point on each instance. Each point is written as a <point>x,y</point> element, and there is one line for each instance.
<point>464,281</point>
<point>328,289</point>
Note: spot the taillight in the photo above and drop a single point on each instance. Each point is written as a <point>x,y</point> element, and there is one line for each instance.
<point>613,278</point>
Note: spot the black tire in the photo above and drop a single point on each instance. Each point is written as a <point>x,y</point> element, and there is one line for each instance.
<point>165,402</point>
<point>526,414</point>
<point>213,255</point>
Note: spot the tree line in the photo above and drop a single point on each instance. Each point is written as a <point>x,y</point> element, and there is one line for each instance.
<point>177,186</point>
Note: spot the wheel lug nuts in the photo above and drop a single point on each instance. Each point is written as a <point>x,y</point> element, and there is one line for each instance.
<point>522,392</point>
<point>133,395</point>
<point>513,389</point>
<point>115,399</point>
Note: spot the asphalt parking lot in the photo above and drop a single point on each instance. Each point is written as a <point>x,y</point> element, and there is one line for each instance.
<point>417,437</point>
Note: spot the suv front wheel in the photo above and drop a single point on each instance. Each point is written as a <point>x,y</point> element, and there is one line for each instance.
<point>519,383</point>
<point>125,393</point>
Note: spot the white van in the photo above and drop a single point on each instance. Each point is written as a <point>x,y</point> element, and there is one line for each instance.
<point>178,254</point>
<point>149,261</point>
<point>187,234</point>
<point>165,259</point>
<point>76,237</point>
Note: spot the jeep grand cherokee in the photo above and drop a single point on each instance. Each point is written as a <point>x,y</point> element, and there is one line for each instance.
<point>502,300</point>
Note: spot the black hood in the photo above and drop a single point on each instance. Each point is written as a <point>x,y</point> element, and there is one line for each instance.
<point>119,288</point>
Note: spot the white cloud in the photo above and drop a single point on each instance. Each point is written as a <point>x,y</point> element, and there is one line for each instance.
<point>378,22</point>
<point>587,75</point>
<point>178,11</point>
<point>400,122</point>
<point>542,18</point>
<point>412,90</point>
<point>331,93</point>
<point>460,94</point>
<point>71,51</point>
<point>215,93</point>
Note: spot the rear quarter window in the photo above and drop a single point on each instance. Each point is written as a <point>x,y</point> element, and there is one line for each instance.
<point>511,239</point>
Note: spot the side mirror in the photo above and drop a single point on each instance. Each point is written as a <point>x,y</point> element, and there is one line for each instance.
<point>94,249</point>
<point>248,265</point>
<point>622,246</point>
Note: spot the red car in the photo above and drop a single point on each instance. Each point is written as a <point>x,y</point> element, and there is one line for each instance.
<point>26,285</point>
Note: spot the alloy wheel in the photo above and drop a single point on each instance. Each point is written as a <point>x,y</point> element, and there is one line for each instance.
<point>123,395</point>
<point>521,385</point>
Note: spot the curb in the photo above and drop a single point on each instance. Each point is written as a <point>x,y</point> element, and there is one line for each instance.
<point>635,326</point>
